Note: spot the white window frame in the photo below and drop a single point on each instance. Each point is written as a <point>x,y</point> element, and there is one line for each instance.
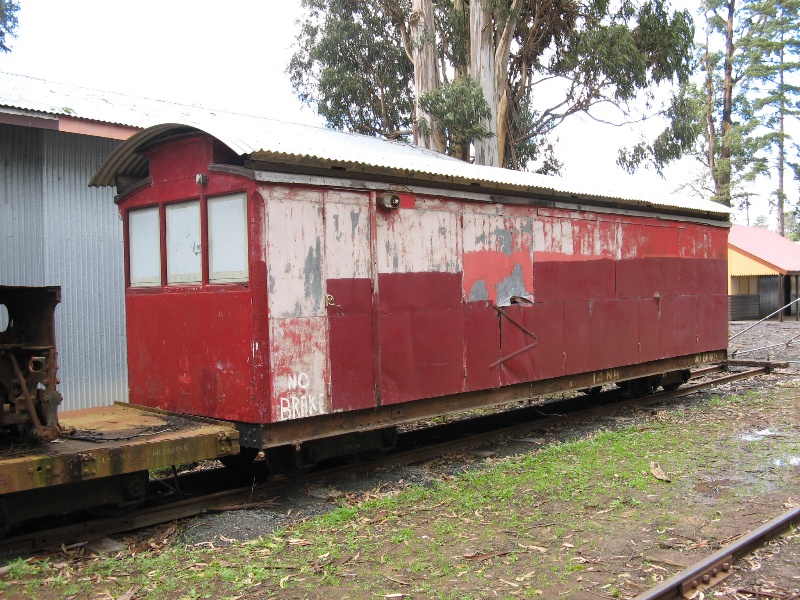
<point>144,246</point>
<point>184,243</point>
<point>228,256</point>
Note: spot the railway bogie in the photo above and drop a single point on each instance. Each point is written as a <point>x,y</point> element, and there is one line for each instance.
<point>29,399</point>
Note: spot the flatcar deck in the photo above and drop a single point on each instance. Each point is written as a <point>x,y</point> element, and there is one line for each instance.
<point>110,441</point>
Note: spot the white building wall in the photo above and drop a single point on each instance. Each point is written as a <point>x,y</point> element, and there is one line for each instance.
<point>72,237</point>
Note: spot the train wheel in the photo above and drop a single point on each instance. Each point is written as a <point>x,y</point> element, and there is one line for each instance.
<point>242,460</point>
<point>642,387</point>
<point>287,461</point>
<point>671,387</point>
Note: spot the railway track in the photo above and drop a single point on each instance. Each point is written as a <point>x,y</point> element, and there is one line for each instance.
<point>413,446</point>
<point>715,568</point>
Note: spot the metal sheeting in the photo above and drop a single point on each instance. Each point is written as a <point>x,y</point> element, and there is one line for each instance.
<point>31,95</point>
<point>286,143</point>
<point>21,206</point>
<point>56,230</point>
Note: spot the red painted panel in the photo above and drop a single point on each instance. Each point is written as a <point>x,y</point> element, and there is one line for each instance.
<point>546,358</point>
<point>694,280</point>
<point>649,329</point>
<point>191,352</point>
<point>351,344</point>
<point>670,283</point>
<point>586,279</point>
<point>401,292</point>
<point>615,333</point>
<point>545,280</point>
<point>351,360</point>
<point>718,277</point>
<point>639,278</point>
<point>180,160</point>
<point>678,335</point>
<point>483,347</point>
<point>577,337</point>
<point>422,354</point>
<point>350,296</point>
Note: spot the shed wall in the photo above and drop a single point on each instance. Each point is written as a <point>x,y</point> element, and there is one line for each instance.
<point>61,232</point>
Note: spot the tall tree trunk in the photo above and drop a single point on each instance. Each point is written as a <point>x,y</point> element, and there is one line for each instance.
<point>709,107</point>
<point>426,73</point>
<point>724,178</point>
<point>781,149</point>
<point>502,53</point>
<point>482,69</point>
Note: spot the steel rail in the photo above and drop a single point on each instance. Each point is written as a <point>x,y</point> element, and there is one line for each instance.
<point>181,509</point>
<point>714,568</point>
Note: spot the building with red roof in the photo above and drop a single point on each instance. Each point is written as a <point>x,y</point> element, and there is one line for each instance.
<point>764,269</point>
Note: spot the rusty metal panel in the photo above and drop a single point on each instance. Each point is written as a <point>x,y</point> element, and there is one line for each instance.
<point>639,278</point>
<point>115,440</point>
<point>586,279</point>
<point>299,368</point>
<point>498,258</point>
<point>649,329</point>
<point>191,352</point>
<point>352,360</point>
<point>678,333</point>
<point>482,339</point>
<point>422,354</point>
<point>615,332</point>
<point>411,292</point>
<point>532,340</point>
<point>577,337</point>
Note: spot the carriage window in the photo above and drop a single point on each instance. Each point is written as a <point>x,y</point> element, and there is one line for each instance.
<point>184,251</point>
<point>227,238</point>
<point>144,237</point>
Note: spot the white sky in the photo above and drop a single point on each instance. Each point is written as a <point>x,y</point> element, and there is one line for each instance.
<point>232,56</point>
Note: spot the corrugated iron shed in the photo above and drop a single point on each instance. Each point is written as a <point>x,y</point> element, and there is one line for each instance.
<point>758,251</point>
<point>44,104</point>
<point>276,142</point>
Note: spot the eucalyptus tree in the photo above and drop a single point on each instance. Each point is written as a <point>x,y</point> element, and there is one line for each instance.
<point>8,22</point>
<point>535,62</point>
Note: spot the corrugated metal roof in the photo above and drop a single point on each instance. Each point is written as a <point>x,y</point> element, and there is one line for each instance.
<point>279,142</point>
<point>777,251</point>
<point>35,95</point>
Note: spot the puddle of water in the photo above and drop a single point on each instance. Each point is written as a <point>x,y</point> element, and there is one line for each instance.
<point>758,435</point>
<point>713,488</point>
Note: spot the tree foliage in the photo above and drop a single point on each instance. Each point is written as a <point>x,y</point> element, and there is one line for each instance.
<point>351,66</point>
<point>8,23</point>
<point>537,63</point>
<point>733,119</point>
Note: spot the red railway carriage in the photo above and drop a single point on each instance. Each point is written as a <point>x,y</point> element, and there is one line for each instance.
<point>306,283</point>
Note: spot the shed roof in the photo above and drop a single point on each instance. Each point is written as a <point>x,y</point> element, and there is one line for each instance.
<point>277,142</point>
<point>50,105</point>
<point>778,253</point>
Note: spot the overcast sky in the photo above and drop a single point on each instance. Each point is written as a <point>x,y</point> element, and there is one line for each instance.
<point>232,56</point>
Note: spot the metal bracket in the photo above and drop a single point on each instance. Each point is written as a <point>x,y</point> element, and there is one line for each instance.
<point>518,352</point>
<point>708,578</point>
